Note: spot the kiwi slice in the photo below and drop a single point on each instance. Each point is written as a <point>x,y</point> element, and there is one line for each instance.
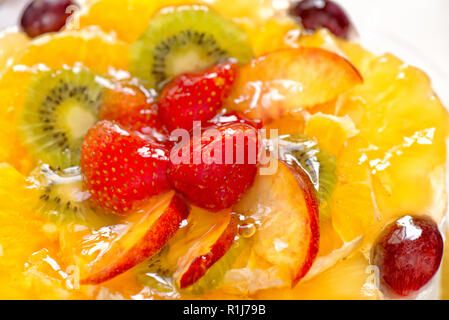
<point>320,166</point>
<point>186,39</point>
<point>156,273</point>
<point>63,199</point>
<point>60,106</point>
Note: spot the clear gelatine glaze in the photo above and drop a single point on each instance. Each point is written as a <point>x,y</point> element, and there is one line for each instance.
<point>390,153</point>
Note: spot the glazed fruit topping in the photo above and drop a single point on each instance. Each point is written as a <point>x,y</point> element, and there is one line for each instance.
<point>220,177</point>
<point>43,16</point>
<point>316,14</point>
<point>408,254</point>
<point>120,168</point>
<point>133,109</point>
<point>196,96</point>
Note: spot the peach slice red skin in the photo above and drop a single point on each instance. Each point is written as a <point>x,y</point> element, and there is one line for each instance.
<point>154,239</point>
<point>201,264</point>
<point>313,208</point>
<point>331,73</point>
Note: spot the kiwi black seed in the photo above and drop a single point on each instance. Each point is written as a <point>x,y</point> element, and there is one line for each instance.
<point>186,39</point>
<point>320,166</point>
<point>63,200</point>
<point>156,273</point>
<point>60,106</point>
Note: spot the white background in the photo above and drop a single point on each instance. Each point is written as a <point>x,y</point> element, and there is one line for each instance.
<point>415,30</point>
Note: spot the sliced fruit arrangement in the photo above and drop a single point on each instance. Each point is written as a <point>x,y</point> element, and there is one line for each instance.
<point>54,96</point>
<point>92,115</point>
<point>185,39</point>
<point>290,80</point>
<point>109,251</point>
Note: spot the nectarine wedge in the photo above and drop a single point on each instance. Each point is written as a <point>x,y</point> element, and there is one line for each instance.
<point>206,238</point>
<point>286,210</point>
<point>105,253</point>
<point>289,80</point>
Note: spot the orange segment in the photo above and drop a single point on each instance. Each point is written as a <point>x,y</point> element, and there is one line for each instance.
<point>330,132</point>
<point>352,210</point>
<point>127,19</point>
<point>22,232</point>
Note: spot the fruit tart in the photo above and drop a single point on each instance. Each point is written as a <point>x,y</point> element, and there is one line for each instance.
<point>183,149</point>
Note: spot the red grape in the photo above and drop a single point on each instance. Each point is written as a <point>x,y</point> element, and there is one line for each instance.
<point>42,16</point>
<point>408,253</point>
<point>316,14</point>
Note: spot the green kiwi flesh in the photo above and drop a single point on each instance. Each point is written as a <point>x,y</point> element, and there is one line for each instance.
<point>156,274</point>
<point>320,166</point>
<point>60,106</point>
<point>64,201</point>
<point>186,39</point>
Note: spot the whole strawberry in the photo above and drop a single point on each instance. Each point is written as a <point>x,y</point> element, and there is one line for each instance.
<point>120,168</point>
<point>196,96</point>
<point>133,109</point>
<point>219,168</point>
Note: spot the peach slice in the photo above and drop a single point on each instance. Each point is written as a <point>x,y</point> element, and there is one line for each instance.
<point>286,209</point>
<point>290,80</point>
<point>206,238</point>
<point>105,253</point>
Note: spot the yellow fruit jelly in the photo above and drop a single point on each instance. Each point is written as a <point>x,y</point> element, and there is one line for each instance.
<point>387,134</point>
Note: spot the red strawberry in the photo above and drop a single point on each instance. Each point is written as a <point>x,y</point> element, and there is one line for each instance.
<point>234,117</point>
<point>133,109</point>
<point>120,168</point>
<point>196,97</point>
<point>216,186</point>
